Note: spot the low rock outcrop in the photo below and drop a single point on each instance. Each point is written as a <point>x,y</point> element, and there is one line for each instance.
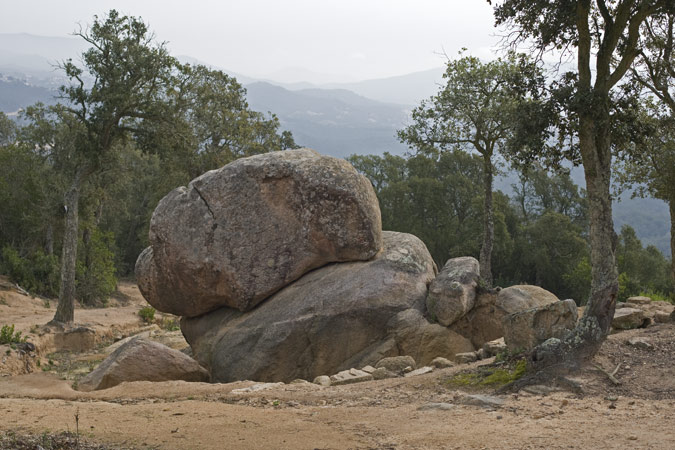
<point>142,360</point>
<point>627,318</point>
<point>236,235</point>
<point>334,318</point>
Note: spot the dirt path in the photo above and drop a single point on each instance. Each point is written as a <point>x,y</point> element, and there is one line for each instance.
<point>376,414</point>
<point>387,414</point>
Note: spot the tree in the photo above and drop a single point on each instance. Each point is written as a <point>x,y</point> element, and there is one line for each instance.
<point>648,166</point>
<point>606,34</point>
<point>654,161</point>
<point>124,75</point>
<point>208,123</point>
<point>7,130</point>
<point>476,111</point>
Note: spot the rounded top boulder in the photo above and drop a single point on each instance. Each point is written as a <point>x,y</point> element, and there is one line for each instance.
<point>236,235</point>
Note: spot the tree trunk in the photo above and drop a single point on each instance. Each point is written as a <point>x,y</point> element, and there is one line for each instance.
<point>65,312</point>
<point>558,356</point>
<point>488,225</point>
<point>671,203</point>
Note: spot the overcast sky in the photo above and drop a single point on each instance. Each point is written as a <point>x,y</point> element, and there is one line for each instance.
<point>339,40</point>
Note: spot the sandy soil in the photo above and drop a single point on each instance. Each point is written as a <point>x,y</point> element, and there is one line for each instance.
<point>637,414</point>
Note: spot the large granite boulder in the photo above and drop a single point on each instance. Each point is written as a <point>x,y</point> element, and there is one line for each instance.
<point>143,360</point>
<point>453,293</point>
<point>526,329</point>
<point>236,235</point>
<point>334,318</point>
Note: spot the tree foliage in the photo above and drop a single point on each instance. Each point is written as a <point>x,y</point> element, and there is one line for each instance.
<point>478,111</point>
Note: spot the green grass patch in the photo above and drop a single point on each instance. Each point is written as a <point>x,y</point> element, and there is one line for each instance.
<point>494,376</point>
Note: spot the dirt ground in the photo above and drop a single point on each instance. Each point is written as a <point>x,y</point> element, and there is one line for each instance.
<point>639,413</point>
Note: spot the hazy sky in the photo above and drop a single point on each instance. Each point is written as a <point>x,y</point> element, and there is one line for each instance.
<point>345,40</point>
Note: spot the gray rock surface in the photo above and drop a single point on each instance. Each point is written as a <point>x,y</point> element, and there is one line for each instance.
<point>527,329</point>
<point>334,318</point>
<point>236,235</point>
<point>143,360</point>
<point>453,293</point>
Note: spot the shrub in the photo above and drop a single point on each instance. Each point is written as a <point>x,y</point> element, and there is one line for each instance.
<point>96,279</point>
<point>37,272</point>
<point>147,314</point>
<point>8,336</point>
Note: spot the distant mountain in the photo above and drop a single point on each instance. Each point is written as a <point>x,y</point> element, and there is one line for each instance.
<point>16,94</point>
<point>334,122</point>
<point>407,89</point>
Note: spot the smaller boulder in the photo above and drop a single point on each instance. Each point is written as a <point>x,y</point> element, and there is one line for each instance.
<point>662,317</point>
<point>527,329</point>
<point>142,360</point>
<point>350,376</point>
<point>453,292</point>
<point>396,364</point>
<point>628,318</point>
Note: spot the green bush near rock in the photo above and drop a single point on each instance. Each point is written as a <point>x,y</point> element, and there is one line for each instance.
<point>490,375</point>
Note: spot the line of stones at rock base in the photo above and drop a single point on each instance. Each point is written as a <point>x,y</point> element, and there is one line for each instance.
<point>405,366</point>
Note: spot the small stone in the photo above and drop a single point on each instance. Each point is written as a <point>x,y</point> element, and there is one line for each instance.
<point>442,363</point>
<point>299,381</point>
<point>436,407</point>
<point>322,380</point>
<point>480,354</point>
<point>464,358</point>
<point>484,401</point>
<point>368,369</point>
<point>632,437</point>
<point>492,348</point>
<point>256,388</point>
<point>408,369</point>
<point>350,376</point>
<point>641,343</point>
<point>420,371</point>
<point>396,364</point>
<point>383,374</point>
